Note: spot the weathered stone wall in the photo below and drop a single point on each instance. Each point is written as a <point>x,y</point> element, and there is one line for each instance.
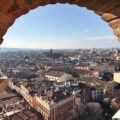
<point>109,10</point>
<point>3,85</point>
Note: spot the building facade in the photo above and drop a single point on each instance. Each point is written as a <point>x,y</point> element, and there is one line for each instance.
<point>58,76</point>
<point>117,77</point>
<point>60,110</point>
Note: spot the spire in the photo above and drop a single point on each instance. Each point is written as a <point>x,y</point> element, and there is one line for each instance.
<point>63,56</point>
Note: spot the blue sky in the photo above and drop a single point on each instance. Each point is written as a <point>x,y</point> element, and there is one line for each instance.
<point>60,26</point>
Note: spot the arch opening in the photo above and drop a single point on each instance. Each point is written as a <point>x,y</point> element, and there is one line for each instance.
<point>78,26</point>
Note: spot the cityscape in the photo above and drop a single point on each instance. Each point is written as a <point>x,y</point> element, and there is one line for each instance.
<point>59,84</point>
<point>59,60</point>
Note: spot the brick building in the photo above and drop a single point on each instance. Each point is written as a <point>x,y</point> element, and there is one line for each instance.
<point>53,105</point>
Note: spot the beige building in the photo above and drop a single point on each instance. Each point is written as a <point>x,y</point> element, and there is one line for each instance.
<point>116,116</point>
<point>117,77</point>
<point>58,76</point>
<point>118,57</point>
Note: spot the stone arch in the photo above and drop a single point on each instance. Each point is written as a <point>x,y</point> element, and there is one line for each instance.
<point>10,10</point>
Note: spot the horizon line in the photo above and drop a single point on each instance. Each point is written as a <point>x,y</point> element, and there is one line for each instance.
<point>59,48</point>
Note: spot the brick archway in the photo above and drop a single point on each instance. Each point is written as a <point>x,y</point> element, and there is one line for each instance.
<point>10,10</point>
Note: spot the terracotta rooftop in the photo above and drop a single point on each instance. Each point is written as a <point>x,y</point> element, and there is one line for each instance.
<point>28,114</point>
<point>116,100</point>
<point>55,73</point>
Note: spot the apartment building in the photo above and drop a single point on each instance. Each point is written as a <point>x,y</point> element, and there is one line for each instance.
<point>53,105</point>
<point>101,91</point>
<point>117,77</point>
<point>98,93</point>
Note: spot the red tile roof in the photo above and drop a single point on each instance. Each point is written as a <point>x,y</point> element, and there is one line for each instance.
<point>116,100</point>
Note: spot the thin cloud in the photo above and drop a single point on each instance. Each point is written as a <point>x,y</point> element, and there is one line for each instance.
<point>101,38</point>
<point>86,30</point>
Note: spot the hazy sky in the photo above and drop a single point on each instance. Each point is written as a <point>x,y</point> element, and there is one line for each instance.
<point>60,26</point>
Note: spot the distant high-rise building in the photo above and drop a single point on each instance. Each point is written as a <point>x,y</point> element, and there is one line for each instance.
<point>51,51</point>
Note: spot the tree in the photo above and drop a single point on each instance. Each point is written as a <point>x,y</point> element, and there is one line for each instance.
<point>94,108</point>
<point>108,109</point>
<point>81,110</point>
<point>106,102</point>
<point>91,111</point>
